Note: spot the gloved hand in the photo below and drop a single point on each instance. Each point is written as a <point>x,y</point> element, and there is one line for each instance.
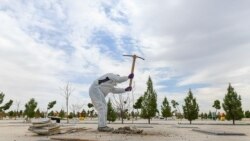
<point>131,76</point>
<point>128,88</point>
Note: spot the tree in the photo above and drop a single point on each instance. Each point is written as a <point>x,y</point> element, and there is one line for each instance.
<point>149,102</point>
<point>71,115</point>
<point>30,108</point>
<point>191,108</point>
<point>247,114</point>
<point>216,106</point>
<point>209,116</point>
<point>218,116</point>
<point>6,106</point>
<point>202,116</point>
<point>121,104</point>
<point>83,113</point>
<point>137,105</point>
<point>174,103</point>
<point>21,113</point>
<point>232,105</point>
<point>165,108</point>
<point>50,105</point>
<point>17,109</point>
<point>176,106</point>
<point>67,91</point>
<point>51,113</point>
<point>37,113</point>
<point>205,116</point>
<point>111,115</point>
<point>91,111</point>
<point>62,114</point>
<point>10,114</point>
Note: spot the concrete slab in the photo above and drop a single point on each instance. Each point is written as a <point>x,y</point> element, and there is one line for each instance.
<point>219,132</point>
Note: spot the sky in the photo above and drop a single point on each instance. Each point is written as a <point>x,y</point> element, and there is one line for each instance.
<point>197,45</point>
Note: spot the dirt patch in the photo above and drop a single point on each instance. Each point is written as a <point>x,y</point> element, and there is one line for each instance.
<point>127,130</point>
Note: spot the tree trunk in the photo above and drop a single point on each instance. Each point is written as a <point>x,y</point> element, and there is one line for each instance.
<point>233,122</point>
<point>67,104</point>
<point>190,121</point>
<point>148,120</point>
<point>215,118</point>
<point>122,116</point>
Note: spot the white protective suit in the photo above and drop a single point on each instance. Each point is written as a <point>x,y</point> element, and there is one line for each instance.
<point>100,89</point>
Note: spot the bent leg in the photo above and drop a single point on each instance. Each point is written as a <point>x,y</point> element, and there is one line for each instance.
<point>98,100</point>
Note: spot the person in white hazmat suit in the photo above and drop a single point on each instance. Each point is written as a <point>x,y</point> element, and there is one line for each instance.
<point>100,89</point>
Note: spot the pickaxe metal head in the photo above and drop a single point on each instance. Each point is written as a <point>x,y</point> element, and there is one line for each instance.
<point>133,65</point>
<point>134,56</point>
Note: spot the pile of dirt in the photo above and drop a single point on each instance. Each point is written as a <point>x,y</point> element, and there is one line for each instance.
<point>127,130</point>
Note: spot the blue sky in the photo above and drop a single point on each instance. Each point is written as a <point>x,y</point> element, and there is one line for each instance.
<point>202,45</point>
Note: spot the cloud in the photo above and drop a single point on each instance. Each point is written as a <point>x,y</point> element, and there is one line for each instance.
<point>202,45</point>
<point>200,41</point>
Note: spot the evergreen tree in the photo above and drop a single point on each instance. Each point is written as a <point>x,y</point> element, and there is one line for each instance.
<point>232,105</point>
<point>111,116</point>
<point>137,106</point>
<point>71,115</point>
<point>38,113</point>
<point>166,109</point>
<point>209,116</point>
<point>50,105</point>
<point>21,113</point>
<point>11,114</point>
<point>191,108</point>
<point>51,113</point>
<point>205,116</point>
<point>149,102</point>
<point>216,106</point>
<point>7,105</point>
<point>62,114</point>
<point>83,113</point>
<point>247,114</point>
<point>30,108</point>
<point>202,116</point>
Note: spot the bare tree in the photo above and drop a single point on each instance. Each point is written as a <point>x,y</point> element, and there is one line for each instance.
<point>17,103</point>
<point>67,91</point>
<point>121,102</point>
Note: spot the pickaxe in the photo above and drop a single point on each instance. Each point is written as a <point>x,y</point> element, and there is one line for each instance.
<point>133,65</point>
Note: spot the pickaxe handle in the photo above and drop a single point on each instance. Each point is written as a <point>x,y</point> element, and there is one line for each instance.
<point>133,66</point>
<point>132,70</point>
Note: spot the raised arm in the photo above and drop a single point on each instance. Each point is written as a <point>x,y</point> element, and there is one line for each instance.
<point>117,78</point>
